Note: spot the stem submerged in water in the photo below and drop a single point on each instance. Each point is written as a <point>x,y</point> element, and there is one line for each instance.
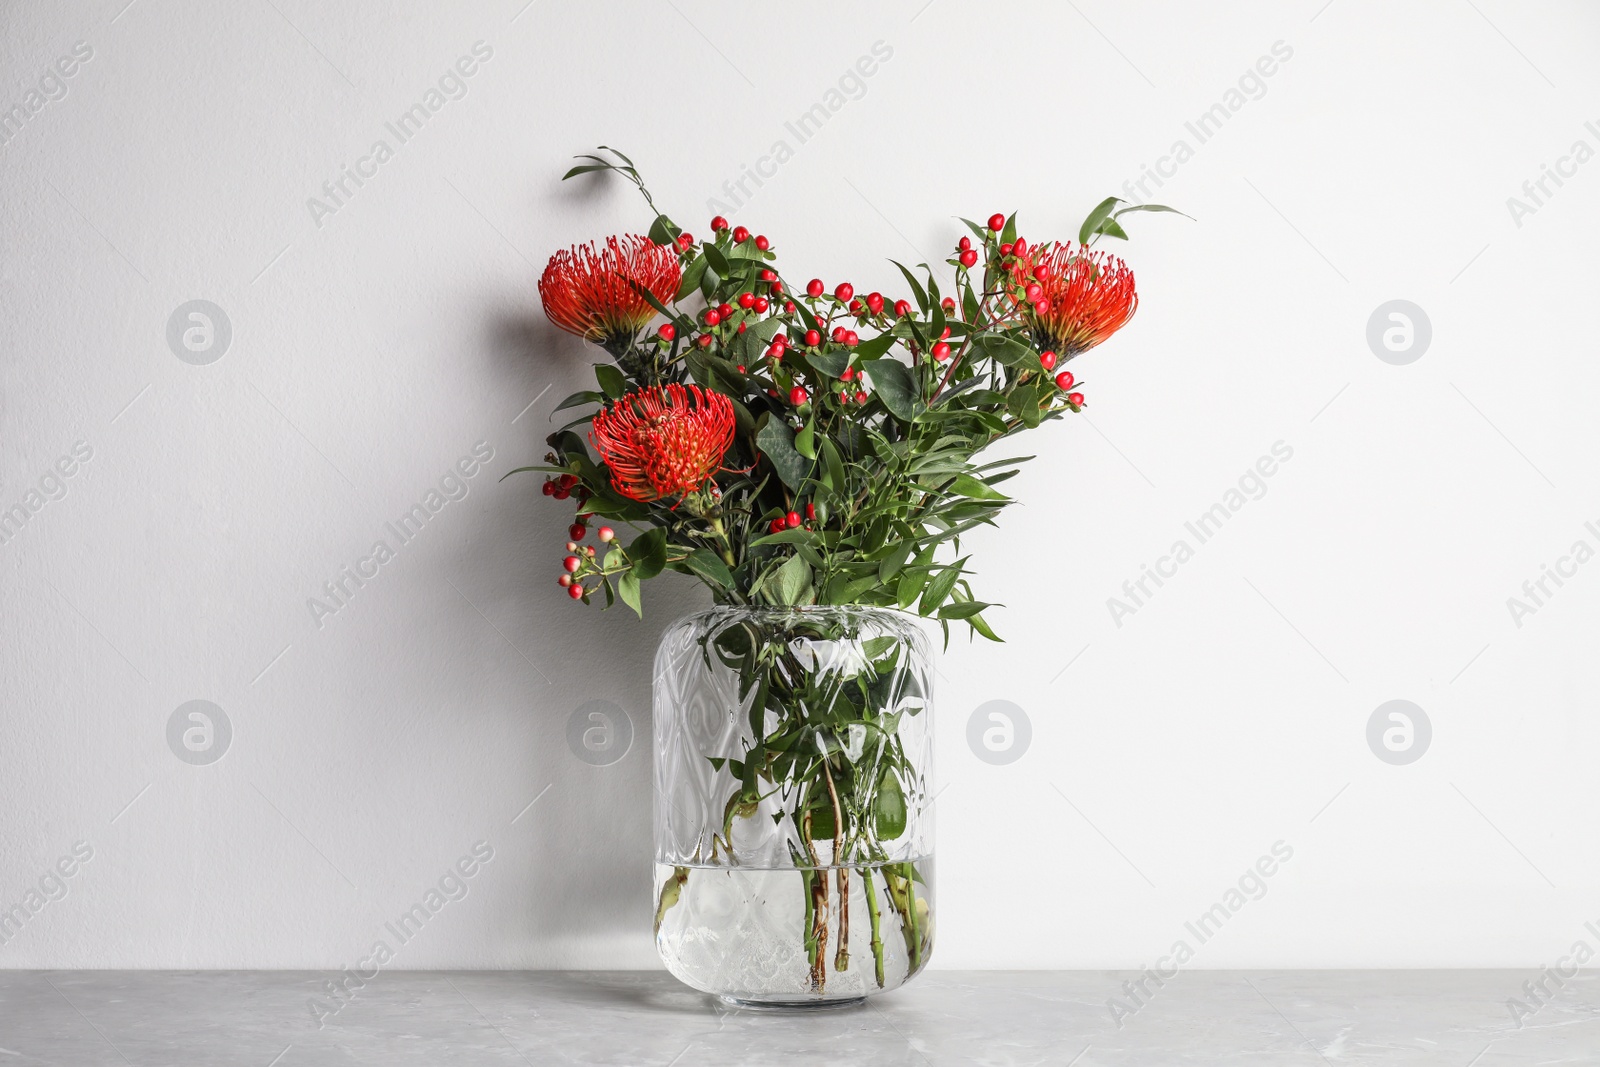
<point>870,891</point>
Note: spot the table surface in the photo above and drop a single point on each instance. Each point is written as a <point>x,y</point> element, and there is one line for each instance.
<point>639,1018</point>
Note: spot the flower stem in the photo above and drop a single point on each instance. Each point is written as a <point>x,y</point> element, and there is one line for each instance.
<point>841,959</point>
<point>871,893</point>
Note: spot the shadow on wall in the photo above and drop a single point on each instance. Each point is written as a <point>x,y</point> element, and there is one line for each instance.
<point>582,854</point>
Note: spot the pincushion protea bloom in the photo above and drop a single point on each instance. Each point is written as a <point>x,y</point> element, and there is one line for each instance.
<point>586,291</point>
<point>1083,297</point>
<point>663,441</point>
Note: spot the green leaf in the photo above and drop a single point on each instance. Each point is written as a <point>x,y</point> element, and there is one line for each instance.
<point>964,609</point>
<point>649,554</point>
<point>939,587</point>
<point>916,286</point>
<point>891,564</point>
<point>1008,350</point>
<point>585,396</point>
<point>874,347</point>
<point>776,442</point>
<point>977,623</point>
<point>793,581</point>
<point>709,565</point>
<point>889,813</point>
<point>611,380</point>
<point>805,442</point>
<point>835,465</point>
<point>662,230</point>
<point>1150,207</point>
<point>628,590</point>
<point>832,363</point>
<point>972,487</point>
<point>1111,228</point>
<point>691,277</point>
<point>1100,214</point>
<point>718,261</point>
<point>891,379</point>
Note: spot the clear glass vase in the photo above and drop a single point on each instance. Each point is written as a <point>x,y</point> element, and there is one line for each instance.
<point>793,832</point>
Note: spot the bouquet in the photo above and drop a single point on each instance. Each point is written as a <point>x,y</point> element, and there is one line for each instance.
<point>797,446</point>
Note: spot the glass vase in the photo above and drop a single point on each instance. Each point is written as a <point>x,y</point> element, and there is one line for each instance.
<point>793,832</point>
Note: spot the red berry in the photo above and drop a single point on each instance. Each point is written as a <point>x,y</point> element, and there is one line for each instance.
<point>724,310</point>
<point>712,317</point>
<point>719,223</point>
<point>941,351</point>
<point>606,534</point>
<point>844,396</point>
<point>577,530</point>
<point>1035,293</point>
<point>851,339</point>
<point>568,480</point>
<point>740,235</point>
<point>814,287</point>
<point>775,351</point>
<point>560,493</point>
<point>813,338</point>
<point>969,258</point>
<point>739,367</point>
<point>861,397</point>
<point>575,591</point>
<point>997,222</point>
<point>811,510</point>
<point>1007,249</point>
<point>1064,380</point>
<point>946,335</point>
<point>762,242</point>
<point>761,305</point>
<point>901,309</point>
<point>844,291</point>
<point>948,303</point>
<point>798,395</point>
<point>746,300</point>
<point>1042,272</point>
<point>571,563</point>
<point>549,488</point>
<point>667,331</point>
<point>1047,359</point>
<point>684,241</point>
<point>1075,399</point>
<point>777,289</point>
<point>1021,247</point>
<point>741,327</point>
<point>768,275</point>
<point>777,526</point>
<point>565,580</point>
<point>848,374</point>
<point>788,305</point>
<point>1042,305</point>
<point>966,243</point>
<point>875,303</point>
<point>704,341</point>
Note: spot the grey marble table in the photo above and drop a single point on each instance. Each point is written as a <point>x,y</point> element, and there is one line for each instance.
<point>637,1018</point>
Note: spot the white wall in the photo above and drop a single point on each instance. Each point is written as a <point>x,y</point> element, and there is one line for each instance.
<point>375,346</point>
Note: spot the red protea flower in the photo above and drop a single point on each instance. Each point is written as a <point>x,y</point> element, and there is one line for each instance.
<point>1082,297</point>
<point>664,441</point>
<point>586,291</point>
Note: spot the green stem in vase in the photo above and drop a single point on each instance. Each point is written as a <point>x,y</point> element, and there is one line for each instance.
<point>841,959</point>
<point>870,891</point>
